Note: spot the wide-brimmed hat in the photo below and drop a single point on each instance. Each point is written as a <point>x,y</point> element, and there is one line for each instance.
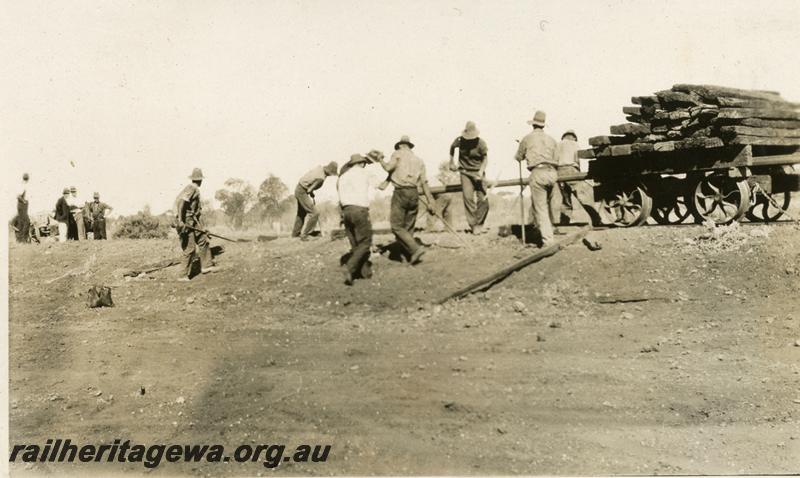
<point>197,174</point>
<point>570,132</point>
<point>357,158</point>
<point>374,156</point>
<point>73,189</point>
<point>96,195</point>
<point>66,191</point>
<point>404,140</point>
<point>331,168</point>
<point>470,131</point>
<point>538,118</point>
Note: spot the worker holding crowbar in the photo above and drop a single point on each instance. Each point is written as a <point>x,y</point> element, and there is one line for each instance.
<point>193,239</point>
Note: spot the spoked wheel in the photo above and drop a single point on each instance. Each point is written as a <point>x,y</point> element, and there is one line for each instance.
<point>720,199</point>
<point>628,207</point>
<point>763,210</point>
<point>674,212</point>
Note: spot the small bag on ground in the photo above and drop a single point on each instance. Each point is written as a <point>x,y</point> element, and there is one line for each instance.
<point>100,296</point>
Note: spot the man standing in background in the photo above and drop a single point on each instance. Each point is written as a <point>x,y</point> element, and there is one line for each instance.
<point>353,188</point>
<point>97,216</point>
<point>77,230</point>
<point>472,158</point>
<point>304,193</point>
<point>62,215</point>
<point>538,150</point>
<point>407,174</point>
<point>21,221</point>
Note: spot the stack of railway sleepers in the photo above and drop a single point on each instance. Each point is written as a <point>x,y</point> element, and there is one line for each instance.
<point>691,117</point>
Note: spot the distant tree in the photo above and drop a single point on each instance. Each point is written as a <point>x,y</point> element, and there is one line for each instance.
<point>271,195</point>
<point>235,199</point>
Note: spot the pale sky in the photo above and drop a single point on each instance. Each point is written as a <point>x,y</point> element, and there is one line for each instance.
<point>126,97</point>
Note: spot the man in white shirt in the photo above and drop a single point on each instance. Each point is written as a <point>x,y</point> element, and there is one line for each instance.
<point>353,186</point>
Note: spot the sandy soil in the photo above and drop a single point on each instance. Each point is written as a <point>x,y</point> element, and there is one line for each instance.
<point>536,376</point>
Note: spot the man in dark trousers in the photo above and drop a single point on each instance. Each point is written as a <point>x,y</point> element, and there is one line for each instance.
<point>353,187</point>
<point>472,158</point>
<point>304,193</point>
<point>97,216</point>
<point>407,174</point>
<point>188,223</point>
<point>22,222</point>
<point>62,215</point>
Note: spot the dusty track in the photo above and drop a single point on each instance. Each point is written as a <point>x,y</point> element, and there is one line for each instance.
<point>703,378</point>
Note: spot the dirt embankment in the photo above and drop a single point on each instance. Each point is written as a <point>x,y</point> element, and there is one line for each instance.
<point>665,352</point>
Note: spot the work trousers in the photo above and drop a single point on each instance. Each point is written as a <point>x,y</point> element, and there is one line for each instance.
<point>72,228</point>
<point>403,216</point>
<point>476,205</point>
<point>194,245</point>
<point>546,199</point>
<point>80,226</point>
<point>582,190</point>
<point>23,224</point>
<point>358,228</point>
<point>62,231</point>
<point>306,213</point>
<point>99,228</point>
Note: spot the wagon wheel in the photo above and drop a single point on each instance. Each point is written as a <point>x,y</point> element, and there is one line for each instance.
<point>765,211</point>
<point>630,206</point>
<point>720,199</point>
<point>673,213</point>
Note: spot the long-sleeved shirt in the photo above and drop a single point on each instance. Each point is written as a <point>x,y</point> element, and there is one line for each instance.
<point>312,180</point>
<point>471,153</point>
<point>407,170</point>
<point>187,205</point>
<point>537,148</point>
<point>62,210</point>
<point>567,153</point>
<point>353,187</point>
<point>97,210</point>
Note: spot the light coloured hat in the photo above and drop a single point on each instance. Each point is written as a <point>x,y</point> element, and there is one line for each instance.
<point>66,191</point>
<point>197,174</point>
<point>538,118</point>
<point>374,156</point>
<point>570,132</point>
<point>73,189</point>
<point>470,131</point>
<point>331,168</point>
<point>404,140</point>
<point>96,195</point>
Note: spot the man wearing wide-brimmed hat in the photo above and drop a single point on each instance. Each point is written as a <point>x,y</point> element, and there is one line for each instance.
<point>472,159</point>
<point>538,150</point>
<point>304,194</point>
<point>75,229</point>
<point>189,224</point>
<point>407,174</point>
<point>353,187</point>
<point>97,214</point>
<point>62,215</point>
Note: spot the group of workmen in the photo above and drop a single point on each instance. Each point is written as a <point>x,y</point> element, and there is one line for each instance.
<point>76,220</point>
<point>543,156</point>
